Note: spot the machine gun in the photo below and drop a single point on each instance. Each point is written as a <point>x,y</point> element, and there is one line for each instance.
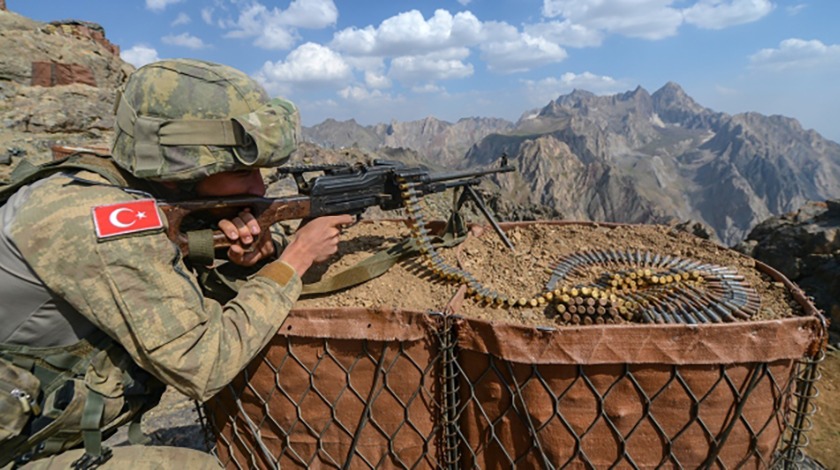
<point>340,189</point>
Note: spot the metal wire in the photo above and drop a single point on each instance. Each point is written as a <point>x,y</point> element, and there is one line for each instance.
<point>451,388</point>
<point>798,420</point>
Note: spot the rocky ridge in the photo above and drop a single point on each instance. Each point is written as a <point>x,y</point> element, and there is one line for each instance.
<point>441,142</point>
<point>629,157</point>
<point>804,245</point>
<point>57,84</point>
<point>637,157</point>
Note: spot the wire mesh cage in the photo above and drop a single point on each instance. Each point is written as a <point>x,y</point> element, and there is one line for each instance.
<point>606,397</point>
<point>382,388</point>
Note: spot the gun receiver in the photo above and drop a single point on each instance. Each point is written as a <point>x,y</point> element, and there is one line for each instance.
<point>341,189</point>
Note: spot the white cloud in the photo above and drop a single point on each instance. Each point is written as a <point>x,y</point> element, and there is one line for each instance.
<point>264,25</point>
<point>360,94</point>
<point>356,41</point>
<point>797,54</point>
<point>160,5</point>
<point>566,33</point>
<point>427,88</point>
<point>719,14</point>
<point>795,9</point>
<point>140,55</point>
<point>417,45</point>
<point>311,14</point>
<point>184,40</point>
<point>647,19</point>
<point>182,18</point>
<point>498,31</point>
<point>276,37</point>
<point>409,33</point>
<point>376,80</point>
<point>309,65</point>
<point>277,28</point>
<point>250,22</point>
<point>207,15</point>
<point>443,65</point>
<point>522,54</point>
<point>650,19</point>
<point>547,89</point>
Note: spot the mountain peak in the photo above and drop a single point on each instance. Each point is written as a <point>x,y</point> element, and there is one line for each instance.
<point>638,91</point>
<point>671,88</point>
<point>671,100</point>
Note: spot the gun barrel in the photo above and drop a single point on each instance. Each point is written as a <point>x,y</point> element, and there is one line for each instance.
<point>453,175</point>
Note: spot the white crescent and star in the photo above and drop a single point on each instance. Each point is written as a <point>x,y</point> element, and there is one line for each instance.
<point>115,221</point>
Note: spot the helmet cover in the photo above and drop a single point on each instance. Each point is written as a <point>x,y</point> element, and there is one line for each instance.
<point>184,120</point>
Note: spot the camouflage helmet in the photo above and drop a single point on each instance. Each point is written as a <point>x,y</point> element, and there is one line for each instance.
<point>183,120</point>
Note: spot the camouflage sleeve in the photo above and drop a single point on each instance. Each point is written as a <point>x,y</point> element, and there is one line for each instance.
<point>138,290</point>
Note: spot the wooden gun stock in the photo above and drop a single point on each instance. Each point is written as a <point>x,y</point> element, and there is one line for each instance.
<point>267,212</point>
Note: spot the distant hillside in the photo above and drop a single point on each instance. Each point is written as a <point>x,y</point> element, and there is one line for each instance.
<point>631,157</point>
<point>439,141</point>
<point>636,157</point>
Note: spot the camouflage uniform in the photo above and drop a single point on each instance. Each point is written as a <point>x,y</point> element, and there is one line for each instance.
<point>60,283</point>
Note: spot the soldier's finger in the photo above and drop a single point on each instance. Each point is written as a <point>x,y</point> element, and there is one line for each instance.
<point>244,231</point>
<point>229,229</point>
<point>235,254</point>
<point>250,221</point>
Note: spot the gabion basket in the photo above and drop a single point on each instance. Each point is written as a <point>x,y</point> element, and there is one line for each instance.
<point>341,388</point>
<point>383,388</point>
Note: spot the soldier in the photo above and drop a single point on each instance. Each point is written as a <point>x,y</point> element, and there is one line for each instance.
<point>97,307</point>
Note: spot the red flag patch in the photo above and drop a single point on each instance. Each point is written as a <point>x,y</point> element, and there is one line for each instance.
<point>126,217</point>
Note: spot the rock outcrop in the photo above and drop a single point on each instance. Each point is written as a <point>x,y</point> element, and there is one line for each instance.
<point>57,87</point>
<point>69,42</point>
<point>804,246</point>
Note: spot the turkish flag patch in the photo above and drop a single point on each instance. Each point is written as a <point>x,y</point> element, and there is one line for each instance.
<point>126,217</point>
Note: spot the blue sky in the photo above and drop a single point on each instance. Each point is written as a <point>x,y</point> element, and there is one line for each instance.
<point>376,61</point>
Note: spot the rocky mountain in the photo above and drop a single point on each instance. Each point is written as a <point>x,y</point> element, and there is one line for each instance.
<point>631,157</point>
<point>637,157</point>
<point>438,141</point>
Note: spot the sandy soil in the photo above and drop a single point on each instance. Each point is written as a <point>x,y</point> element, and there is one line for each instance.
<point>523,272</point>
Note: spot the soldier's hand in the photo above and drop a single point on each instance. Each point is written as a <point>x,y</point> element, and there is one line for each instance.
<point>314,241</point>
<point>248,246</point>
